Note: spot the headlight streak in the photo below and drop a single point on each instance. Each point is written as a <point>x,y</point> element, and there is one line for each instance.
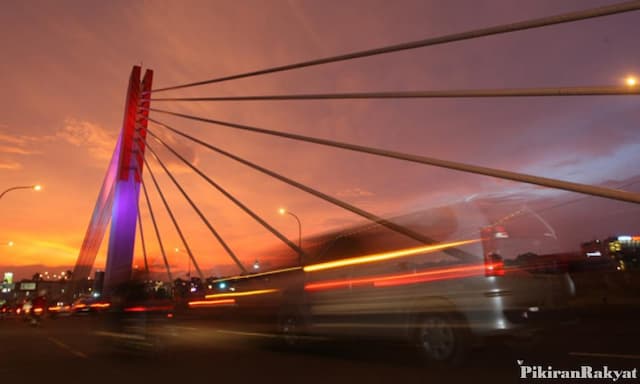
<point>238,294</point>
<point>386,255</point>
<point>211,303</point>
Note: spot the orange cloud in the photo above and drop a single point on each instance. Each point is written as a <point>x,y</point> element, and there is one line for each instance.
<point>94,138</point>
<point>10,165</point>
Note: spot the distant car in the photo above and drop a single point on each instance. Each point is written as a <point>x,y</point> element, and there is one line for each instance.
<point>25,309</point>
<point>59,309</point>
<point>89,305</point>
<point>6,310</point>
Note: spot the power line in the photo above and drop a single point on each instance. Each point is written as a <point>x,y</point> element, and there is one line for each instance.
<point>469,168</point>
<point>367,215</point>
<point>466,93</point>
<point>468,35</point>
<point>198,211</point>
<point>229,196</point>
<point>173,219</point>
<point>155,227</point>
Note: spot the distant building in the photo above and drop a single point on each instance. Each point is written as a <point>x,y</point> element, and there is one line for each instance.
<point>625,250</point>
<point>622,251</point>
<point>8,277</point>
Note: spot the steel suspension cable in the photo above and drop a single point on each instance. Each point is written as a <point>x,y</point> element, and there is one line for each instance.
<point>469,168</point>
<point>155,227</point>
<point>367,215</point>
<point>223,243</point>
<point>445,39</point>
<point>465,93</point>
<point>144,247</point>
<point>174,220</point>
<point>237,202</point>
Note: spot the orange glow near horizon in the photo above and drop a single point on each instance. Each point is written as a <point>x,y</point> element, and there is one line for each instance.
<point>386,255</point>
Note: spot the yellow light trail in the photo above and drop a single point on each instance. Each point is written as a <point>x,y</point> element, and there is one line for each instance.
<point>210,303</point>
<point>238,294</point>
<point>386,255</point>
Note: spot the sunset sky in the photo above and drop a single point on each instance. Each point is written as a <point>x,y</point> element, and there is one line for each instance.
<point>64,69</point>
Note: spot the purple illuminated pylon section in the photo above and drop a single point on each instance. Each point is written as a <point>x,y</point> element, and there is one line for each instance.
<point>118,199</point>
<point>127,188</point>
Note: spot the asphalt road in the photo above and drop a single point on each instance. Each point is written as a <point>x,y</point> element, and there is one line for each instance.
<point>69,350</point>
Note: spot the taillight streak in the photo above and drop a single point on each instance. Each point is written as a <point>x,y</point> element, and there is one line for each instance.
<point>493,265</point>
<point>149,309</point>
<point>401,279</point>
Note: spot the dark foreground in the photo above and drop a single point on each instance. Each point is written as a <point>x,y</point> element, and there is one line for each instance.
<point>68,349</point>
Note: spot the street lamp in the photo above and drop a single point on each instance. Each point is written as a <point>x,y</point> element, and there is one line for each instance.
<point>283,211</point>
<point>36,187</point>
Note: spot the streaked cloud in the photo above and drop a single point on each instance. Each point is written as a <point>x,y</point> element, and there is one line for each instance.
<point>94,138</point>
<point>15,150</point>
<point>354,192</point>
<point>16,145</point>
<point>10,165</point>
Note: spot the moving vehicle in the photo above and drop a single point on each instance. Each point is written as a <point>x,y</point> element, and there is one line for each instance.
<point>468,284</point>
<point>88,305</point>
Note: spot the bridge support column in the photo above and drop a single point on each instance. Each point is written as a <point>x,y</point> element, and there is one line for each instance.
<point>127,187</point>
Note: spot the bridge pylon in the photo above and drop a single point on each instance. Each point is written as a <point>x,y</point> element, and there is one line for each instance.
<point>118,198</point>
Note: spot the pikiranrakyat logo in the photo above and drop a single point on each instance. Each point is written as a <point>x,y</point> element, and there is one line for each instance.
<point>583,372</point>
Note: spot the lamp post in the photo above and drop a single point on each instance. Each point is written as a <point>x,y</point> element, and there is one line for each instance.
<point>35,187</point>
<point>283,211</point>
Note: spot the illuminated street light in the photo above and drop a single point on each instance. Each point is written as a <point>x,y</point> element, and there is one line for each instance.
<point>283,211</point>
<point>36,187</point>
<point>631,81</point>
